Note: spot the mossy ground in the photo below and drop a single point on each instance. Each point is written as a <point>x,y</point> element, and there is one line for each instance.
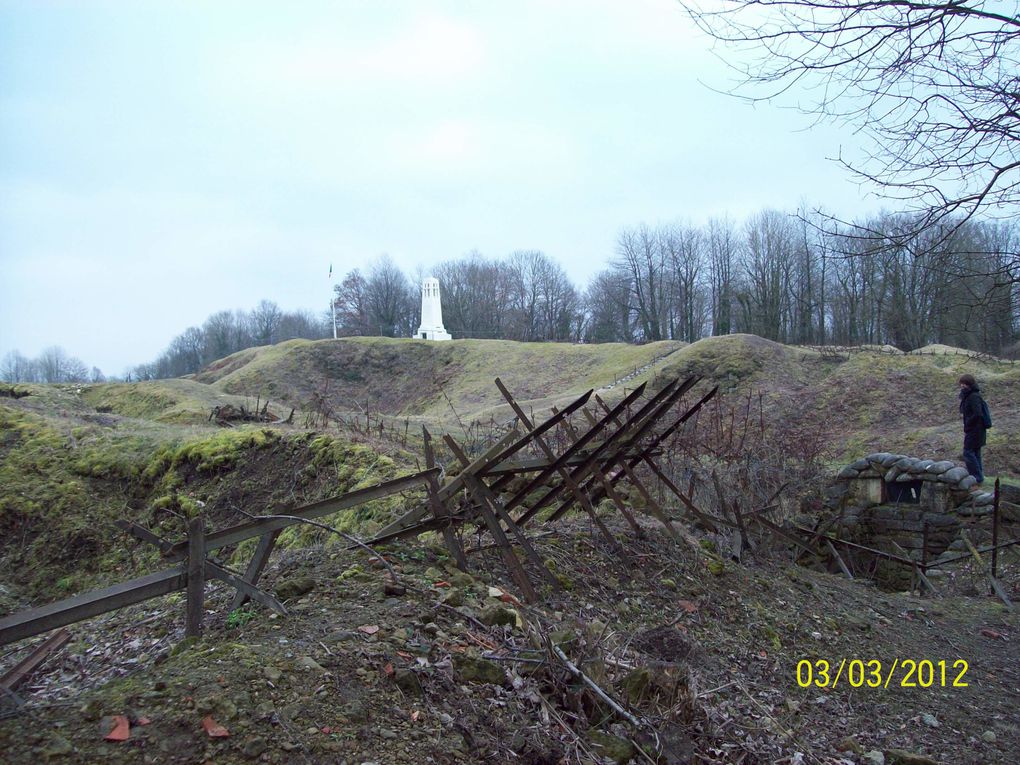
<point>359,675</point>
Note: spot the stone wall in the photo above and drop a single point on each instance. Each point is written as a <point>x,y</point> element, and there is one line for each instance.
<point>926,528</point>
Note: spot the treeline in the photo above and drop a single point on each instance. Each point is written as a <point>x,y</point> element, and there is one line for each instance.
<point>53,365</point>
<point>783,277</point>
<point>778,276</point>
<point>227,332</point>
<point>526,296</point>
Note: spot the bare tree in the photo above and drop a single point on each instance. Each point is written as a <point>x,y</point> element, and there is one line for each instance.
<point>641,259</point>
<point>474,292</point>
<point>351,305</point>
<point>389,299</point>
<point>16,368</point>
<point>265,321</point>
<point>722,257</point>
<point>934,85</point>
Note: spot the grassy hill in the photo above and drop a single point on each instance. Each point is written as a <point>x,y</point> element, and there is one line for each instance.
<point>430,381</point>
<point>73,458</point>
<point>361,671</point>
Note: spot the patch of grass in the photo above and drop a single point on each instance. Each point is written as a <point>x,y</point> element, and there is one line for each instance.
<point>431,381</point>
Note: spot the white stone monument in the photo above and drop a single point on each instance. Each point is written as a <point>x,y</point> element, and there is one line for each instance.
<point>431,312</point>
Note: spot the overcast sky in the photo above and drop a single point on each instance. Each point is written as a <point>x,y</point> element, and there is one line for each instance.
<point>161,161</point>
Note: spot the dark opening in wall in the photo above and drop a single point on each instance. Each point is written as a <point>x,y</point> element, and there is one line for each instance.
<point>903,492</point>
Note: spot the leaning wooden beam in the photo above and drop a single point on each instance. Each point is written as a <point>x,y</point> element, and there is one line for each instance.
<point>215,571</point>
<point>576,447</point>
<point>142,533</point>
<point>235,534</point>
<point>448,489</point>
<point>996,585</point>
<point>490,510</point>
<point>70,610</point>
<point>439,509</point>
<point>839,559</point>
<point>256,566</point>
<point>579,495</point>
<point>30,663</point>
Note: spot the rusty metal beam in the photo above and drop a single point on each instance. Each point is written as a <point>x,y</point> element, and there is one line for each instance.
<point>534,432</point>
<point>579,495</point>
<point>645,452</point>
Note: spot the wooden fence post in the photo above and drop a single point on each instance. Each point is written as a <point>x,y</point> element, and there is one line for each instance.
<point>196,576</point>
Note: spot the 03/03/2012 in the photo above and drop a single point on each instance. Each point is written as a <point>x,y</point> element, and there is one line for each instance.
<point>860,673</point>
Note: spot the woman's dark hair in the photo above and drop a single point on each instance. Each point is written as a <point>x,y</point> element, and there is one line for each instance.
<point>968,380</point>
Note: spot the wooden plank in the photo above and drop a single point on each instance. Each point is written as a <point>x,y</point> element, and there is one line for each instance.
<point>995,584</point>
<point>70,610</point>
<point>30,663</point>
<point>235,534</point>
<point>839,560</point>
<point>995,531</point>
<point>918,570</point>
<point>514,565</point>
<point>448,489</point>
<point>256,566</point>
<point>196,577</point>
<point>575,448</point>
<point>215,571</point>
<point>142,533</point>
<point>579,495</point>
<point>439,509</point>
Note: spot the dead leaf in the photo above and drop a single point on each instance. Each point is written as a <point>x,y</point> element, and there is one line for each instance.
<point>688,606</point>
<point>992,634</point>
<point>440,584</point>
<point>415,715</point>
<point>369,629</point>
<point>388,669</point>
<point>121,729</point>
<point>213,728</point>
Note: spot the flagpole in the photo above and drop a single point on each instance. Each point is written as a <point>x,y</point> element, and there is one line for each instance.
<point>332,300</point>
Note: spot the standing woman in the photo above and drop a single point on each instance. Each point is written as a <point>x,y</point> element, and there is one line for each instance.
<point>973,426</point>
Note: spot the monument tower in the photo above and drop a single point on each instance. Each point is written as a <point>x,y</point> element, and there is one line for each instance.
<point>431,312</point>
